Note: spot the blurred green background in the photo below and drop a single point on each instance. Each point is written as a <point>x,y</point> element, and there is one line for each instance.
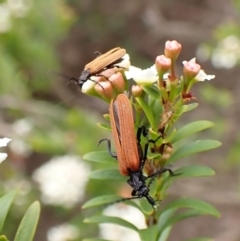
<point>48,118</point>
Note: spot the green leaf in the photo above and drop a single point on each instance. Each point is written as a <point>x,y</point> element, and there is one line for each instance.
<point>190,129</point>
<point>197,204</point>
<point>165,215</point>
<point>5,203</point>
<point>189,107</point>
<point>107,199</point>
<point>107,174</point>
<point>104,126</point>
<point>149,234</point>
<point>3,238</point>
<point>147,110</point>
<point>165,234</point>
<point>178,217</point>
<point>28,225</point>
<point>192,148</point>
<point>100,157</point>
<point>194,171</point>
<point>112,220</point>
<point>201,239</point>
<point>151,91</point>
<point>95,239</point>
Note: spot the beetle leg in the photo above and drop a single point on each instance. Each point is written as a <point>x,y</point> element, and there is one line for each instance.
<point>112,154</point>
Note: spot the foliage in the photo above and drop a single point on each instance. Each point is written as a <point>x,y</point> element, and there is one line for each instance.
<point>28,225</point>
<point>159,102</point>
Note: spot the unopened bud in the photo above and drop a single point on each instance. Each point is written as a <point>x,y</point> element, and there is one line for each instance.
<point>137,90</point>
<point>107,73</point>
<point>168,150</point>
<point>165,156</point>
<point>163,64</point>
<point>105,90</point>
<point>118,82</point>
<point>191,69</point>
<point>172,49</point>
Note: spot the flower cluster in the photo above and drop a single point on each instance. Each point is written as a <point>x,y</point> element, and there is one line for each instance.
<point>62,180</point>
<point>112,81</point>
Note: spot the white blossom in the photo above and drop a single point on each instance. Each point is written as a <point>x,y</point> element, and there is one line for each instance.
<point>125,62</point>
<point>119,233</point>
<point>201,76</point>
<point>63,232</point>
<point>3,142</point>
<point>62,180</point>
<point>226,54</point>
<point>5,18</point>
<point>142,76</point>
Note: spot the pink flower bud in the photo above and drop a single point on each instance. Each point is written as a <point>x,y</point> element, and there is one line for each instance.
<point>191,69</point>
<point>105,90</point>
<point>117,82</point>
<point>172,49</point>
<point>137,90</point>
<point>163,64</point>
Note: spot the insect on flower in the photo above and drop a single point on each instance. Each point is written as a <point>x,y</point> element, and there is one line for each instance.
<point>102,62</point>
<point>129,153</point>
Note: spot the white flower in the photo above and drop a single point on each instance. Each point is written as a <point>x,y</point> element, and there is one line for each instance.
<point>226,54</point>
<point>5,18</point>
<point>125,63</point>
<point>119,233</point>
<point>142,76</point>
<point>88,85</point>
<point>193,60</point>
<point>62,180</point>
<point>201,76</point>
<point>63,232</point>
<point>22,127</point>
<point>3,142</point>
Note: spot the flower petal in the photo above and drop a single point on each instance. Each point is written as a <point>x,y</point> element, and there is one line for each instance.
<point>3,156</point>
<point>4,141</point>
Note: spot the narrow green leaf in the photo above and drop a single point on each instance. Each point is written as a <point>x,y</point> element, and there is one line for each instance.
<point>194,171</point>
<point>165,215</point>
<point>165,234</point>
<point>101,200</point>
<point>107,174</point>
<point>189,107</point>
<point>197,204</point>
<point>107,199</point>
<point>149,234</point>
<point>190,129</point>
<point>104,126</point>
<point>201,239</point>
<point>5,203</point>
<point>147,110</point>
<point>95,239</point>
<point>100,157</point>
<point>3,238</point>
<point>28,225</point>
<point>178,217</point>
<point>192,148</point>
<point>112,220</point>
<point>151,91</point>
